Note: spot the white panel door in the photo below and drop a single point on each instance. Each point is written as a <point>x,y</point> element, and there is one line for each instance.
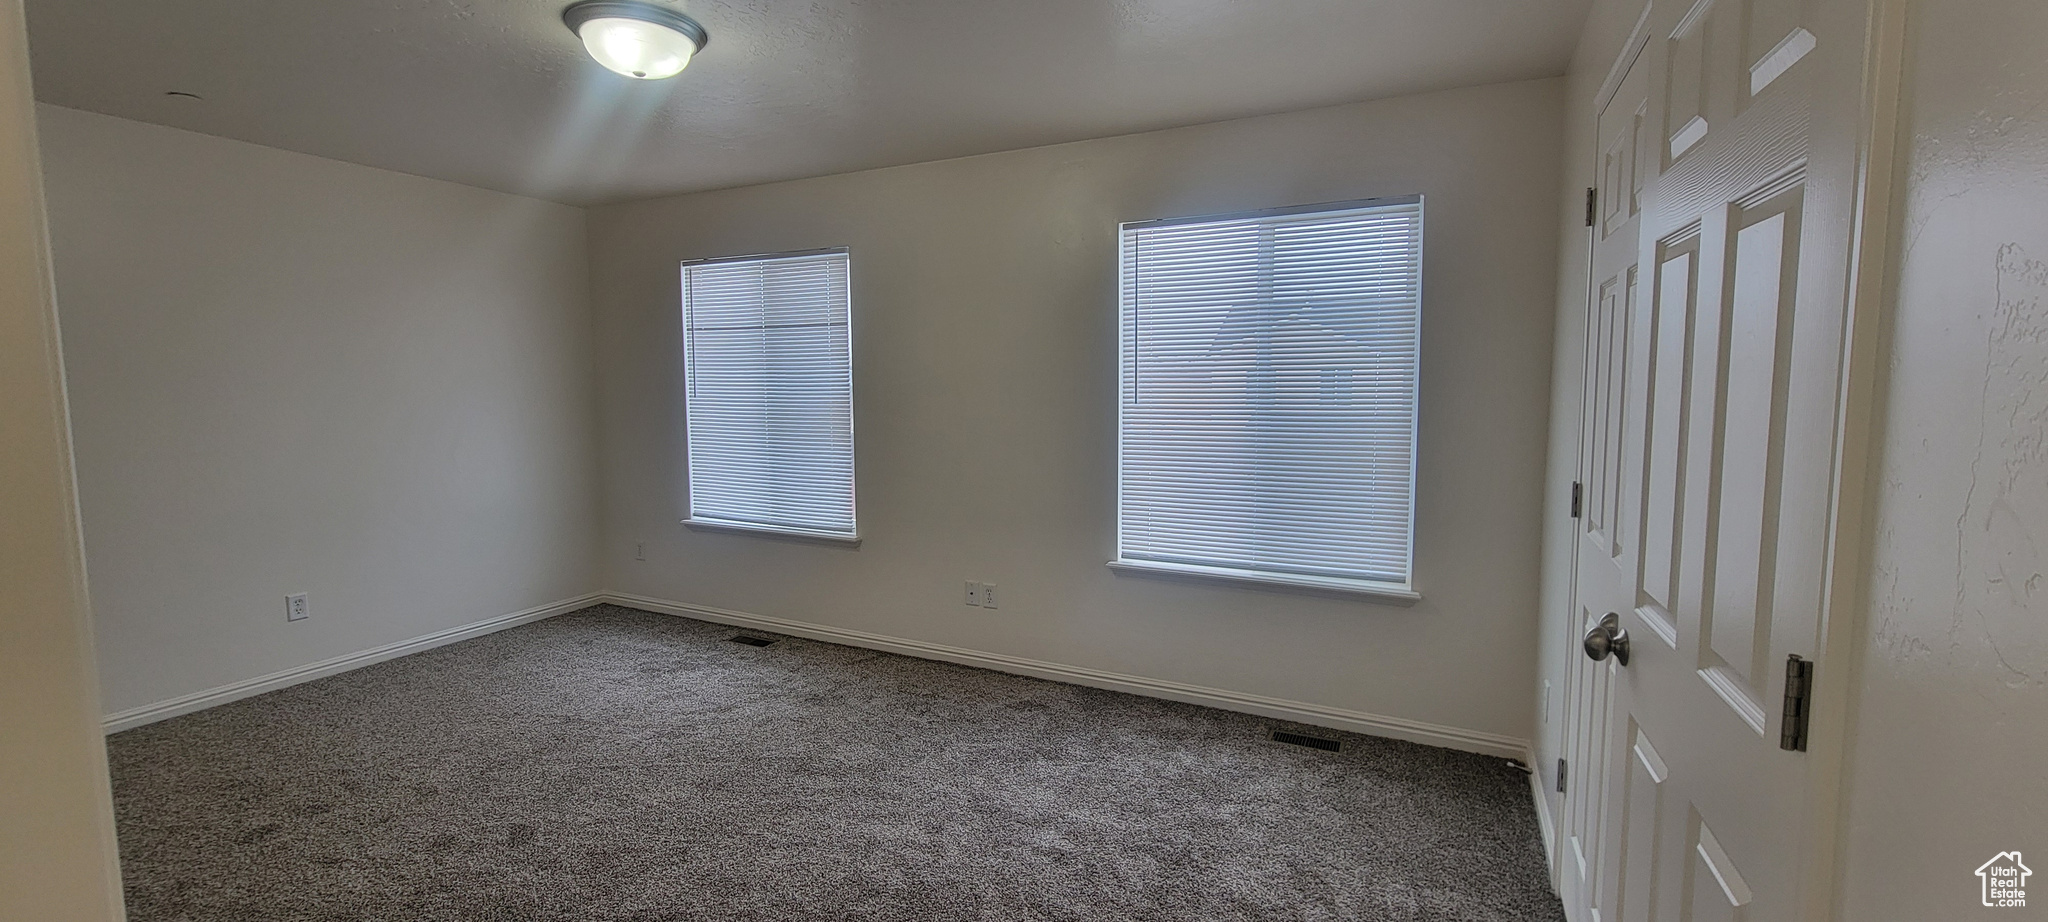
<point>1707,466</point>
<point>1626,141</point>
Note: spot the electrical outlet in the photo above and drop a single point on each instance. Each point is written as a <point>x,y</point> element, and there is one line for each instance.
<point>639,551</point>
<point>988,595</point>
<point>295,607</point>
<point>974,593</point>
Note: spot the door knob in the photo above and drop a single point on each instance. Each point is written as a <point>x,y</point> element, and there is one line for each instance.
<point>1608,638</point>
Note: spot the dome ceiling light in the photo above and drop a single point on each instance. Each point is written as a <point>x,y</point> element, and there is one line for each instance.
<point>638,39</point>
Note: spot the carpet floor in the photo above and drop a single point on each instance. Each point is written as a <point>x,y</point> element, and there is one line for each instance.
<point>617,765</point>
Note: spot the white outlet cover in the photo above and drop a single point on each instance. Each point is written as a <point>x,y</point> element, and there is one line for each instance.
<point>295,607</point>
<point>973,593</point>
<point>988,595</point>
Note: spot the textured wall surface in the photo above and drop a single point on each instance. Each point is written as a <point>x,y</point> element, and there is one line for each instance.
<point>1951,758</point>
<point>292,374</point>
<point>985,330</point>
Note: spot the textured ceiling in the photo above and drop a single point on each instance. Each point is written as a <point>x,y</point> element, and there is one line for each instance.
<point>499,94</point>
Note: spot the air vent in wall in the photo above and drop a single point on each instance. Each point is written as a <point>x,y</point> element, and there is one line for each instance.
<point>753,641</point>
<point>1312,742</point>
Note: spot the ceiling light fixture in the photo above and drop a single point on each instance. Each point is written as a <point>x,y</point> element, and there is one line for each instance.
<point>636,38</point>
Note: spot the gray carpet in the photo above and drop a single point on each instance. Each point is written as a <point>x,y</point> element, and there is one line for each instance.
<point>618,765</point>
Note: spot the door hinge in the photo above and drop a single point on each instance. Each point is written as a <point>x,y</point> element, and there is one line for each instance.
<point>1560,776</point>
<point>1592,206</point>
<point>1798,704</point>
<point>1578,495</point>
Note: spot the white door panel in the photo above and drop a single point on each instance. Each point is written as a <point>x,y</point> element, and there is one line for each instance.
<point>1710,417</point>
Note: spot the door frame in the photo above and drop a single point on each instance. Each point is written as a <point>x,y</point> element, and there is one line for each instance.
<point>1859,404</point>
<point>1867,320</point>
<point>58,857</point>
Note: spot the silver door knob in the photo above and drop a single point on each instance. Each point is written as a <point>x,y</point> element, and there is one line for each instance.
<point>1608,638</point>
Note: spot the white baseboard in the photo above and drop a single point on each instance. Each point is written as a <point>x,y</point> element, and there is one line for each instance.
<point>198,701</point>
<point>1298,711</point>
<point>1543,818</point>
<point>1241,702</point>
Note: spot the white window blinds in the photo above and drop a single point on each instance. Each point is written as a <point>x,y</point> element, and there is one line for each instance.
<point>1269,394</point>
<point>768,358</point>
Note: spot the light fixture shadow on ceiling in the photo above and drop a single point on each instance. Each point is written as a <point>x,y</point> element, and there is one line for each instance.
<point>597,135</point>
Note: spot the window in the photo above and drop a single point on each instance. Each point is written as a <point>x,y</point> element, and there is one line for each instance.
<point>1269,395</point>
<point>768,359</point>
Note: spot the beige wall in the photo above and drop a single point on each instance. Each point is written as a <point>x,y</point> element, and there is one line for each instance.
<point>293,374</point>
<point>985,408</point>
<point>1950,757</point>
<point>57,856</point>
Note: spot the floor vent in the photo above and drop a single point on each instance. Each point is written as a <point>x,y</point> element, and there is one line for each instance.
<point>753,641</point>
<point>1313,742</point>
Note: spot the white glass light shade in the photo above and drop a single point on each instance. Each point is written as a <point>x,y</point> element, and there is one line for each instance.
<point>635,48</point>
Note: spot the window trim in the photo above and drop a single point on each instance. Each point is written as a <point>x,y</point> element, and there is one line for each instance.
<point>770,531</point>
<point>785,254</point>
<point>1337,585</point>
<point>1402,593</point>
<point>851,538</point>
<point>1385,201</point>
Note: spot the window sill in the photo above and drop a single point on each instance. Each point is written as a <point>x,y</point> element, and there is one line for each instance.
<point>1331,585</point>
<point>764,531</point>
